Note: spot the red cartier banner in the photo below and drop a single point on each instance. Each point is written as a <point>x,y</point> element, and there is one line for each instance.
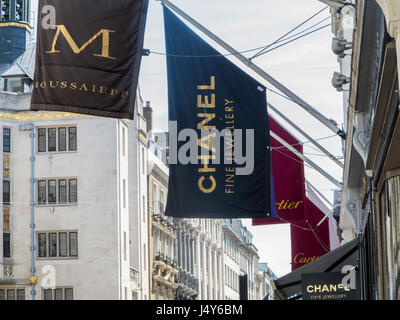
<point>288,176</point>
<point>309,242</point>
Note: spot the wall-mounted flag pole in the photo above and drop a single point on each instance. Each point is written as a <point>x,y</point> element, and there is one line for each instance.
<point>331,124</point>
<point>303,157</point>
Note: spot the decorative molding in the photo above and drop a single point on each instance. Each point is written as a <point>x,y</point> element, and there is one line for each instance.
<point>391,10</point>
<point>361,135</point>
<point>16,24</point>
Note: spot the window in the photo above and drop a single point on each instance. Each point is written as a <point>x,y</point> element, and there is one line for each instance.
<point>62,139</point>
<point>58,294</point>
<point>5,10</point>
<point>55,139</point>
<point>52,244</point>
<point>42,245</point>
<point>57,244</point>
<point>156,204</point>
<point>42,192</point>
<point>144,256</point>
<point>19,10</point>
<point>15,85</point>
<point>124,192</point>
<point>52,139</point>
<point>143,162</point>
<point>42,140</point>
<point>6,245</point>
<point>10,294</point>
<point>73,197</point>
<point>123,141</point>
<point>125,245</point>
<point>6,192</point>
<point>55,191</point>
<point>52,191</point>
<point>6,139</point>
<point>62,240</point>
<point>73,244</point>
<point>144,208</point>
<point>62,191</point>
<point>162,200</point>
<point>72,139</point>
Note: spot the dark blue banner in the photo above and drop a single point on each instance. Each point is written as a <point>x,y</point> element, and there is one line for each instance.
<point>219,137</point>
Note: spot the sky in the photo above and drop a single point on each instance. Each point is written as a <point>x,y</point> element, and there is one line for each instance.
<point>305,66</point>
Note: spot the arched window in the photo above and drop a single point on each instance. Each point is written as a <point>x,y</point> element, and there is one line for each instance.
<point>5,10</point>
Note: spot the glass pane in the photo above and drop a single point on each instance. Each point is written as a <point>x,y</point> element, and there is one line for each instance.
<point>19,10</point>
<point>73,197</point>
<point>69,294</point>
<point>59,293</point>
<point>6,139</point>
<point>42,191</point>
<point>62,191</point>
<point>52,191</point>
<point>63,243</point>
<point>15,85</point>
<point>42,245</point>
<point>42,140</point>
<point>2,294</point>
<point>72,138</point>
<point>5,10</point>
<point>48,294</point>
<point>20,294</point>
<point>10,294</point>
<point>52,244</point>
<point>73,244</point>
<point>52,139</point>
<point>62,139</point>
<point>6,245</point>
<point>6,192</point>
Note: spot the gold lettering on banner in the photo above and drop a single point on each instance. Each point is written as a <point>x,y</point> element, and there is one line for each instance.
<point>104,33</point>
<point>204,102</point>
<point>300,258</point>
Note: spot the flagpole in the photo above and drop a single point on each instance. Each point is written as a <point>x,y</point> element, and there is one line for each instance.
<point>331,124</point>
<point>304,158</point>
<point>314,142</point>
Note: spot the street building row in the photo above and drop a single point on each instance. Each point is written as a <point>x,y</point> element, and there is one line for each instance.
<point>83,201</point>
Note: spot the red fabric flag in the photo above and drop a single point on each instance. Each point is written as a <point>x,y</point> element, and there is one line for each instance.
<point>309,241</point>
<point>288,177</point>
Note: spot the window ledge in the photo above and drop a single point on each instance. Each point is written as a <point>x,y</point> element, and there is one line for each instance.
<point>50,153</point>
<point>57,205</point>
<point>56,258</point>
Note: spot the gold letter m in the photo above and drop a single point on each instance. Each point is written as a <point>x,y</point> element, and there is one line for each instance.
<point>105,48</point>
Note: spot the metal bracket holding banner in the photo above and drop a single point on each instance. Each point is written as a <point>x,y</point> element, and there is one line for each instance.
<point>361,135</point>
<point>302,132</point>
<point>331,124</point>
<point>303,157</point>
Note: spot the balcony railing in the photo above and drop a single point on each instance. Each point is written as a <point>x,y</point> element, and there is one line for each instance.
<point>188,280</point>
<point>159,256</point>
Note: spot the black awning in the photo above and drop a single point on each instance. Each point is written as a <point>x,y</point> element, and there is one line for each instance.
<point>290,284</point>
